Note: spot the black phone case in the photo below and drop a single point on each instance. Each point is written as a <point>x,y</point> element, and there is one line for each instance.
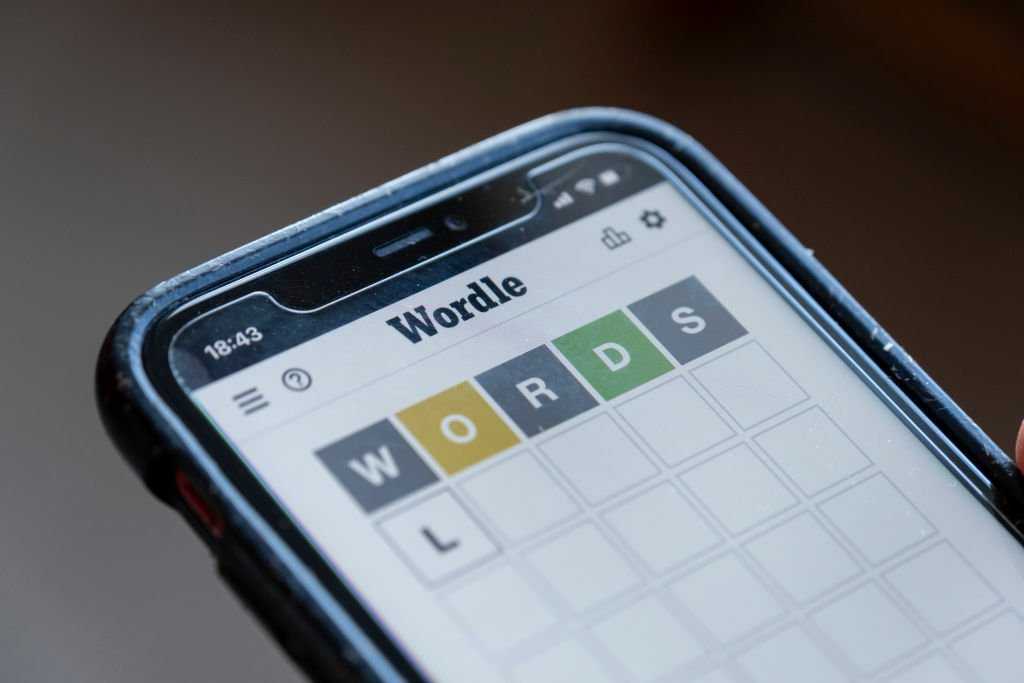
<point>334,639</point>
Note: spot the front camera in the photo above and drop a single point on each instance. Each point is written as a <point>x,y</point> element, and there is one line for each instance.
<point>455,223</point>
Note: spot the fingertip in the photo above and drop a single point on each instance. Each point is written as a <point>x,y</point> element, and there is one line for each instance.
<point>1020,446</point>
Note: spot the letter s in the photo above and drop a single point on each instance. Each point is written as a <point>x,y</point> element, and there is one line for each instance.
<point>688,323</point>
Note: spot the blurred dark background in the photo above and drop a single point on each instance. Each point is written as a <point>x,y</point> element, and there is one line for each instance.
<point>138,139</point>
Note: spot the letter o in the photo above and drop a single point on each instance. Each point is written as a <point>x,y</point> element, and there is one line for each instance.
<point>446,317</point>
<point>468,428</point>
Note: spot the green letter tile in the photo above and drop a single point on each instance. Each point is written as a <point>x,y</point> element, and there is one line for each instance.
<point>613,355</point>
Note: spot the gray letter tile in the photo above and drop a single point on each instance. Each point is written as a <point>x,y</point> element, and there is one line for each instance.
<point>376,465</point>
<point>687,320</point>
<point>536,390</point>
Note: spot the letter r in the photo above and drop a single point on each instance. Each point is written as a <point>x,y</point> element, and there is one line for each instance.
<point>532,389</point>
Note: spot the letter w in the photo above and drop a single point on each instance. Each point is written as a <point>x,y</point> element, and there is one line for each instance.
<point>413,326</point>
<point>375,468</point>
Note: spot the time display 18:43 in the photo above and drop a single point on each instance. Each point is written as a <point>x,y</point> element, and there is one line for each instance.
<point>224,347</point>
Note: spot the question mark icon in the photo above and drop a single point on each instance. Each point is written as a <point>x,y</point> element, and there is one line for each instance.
<point>296,379</point>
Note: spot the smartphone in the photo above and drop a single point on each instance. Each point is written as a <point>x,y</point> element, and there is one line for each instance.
<point>569,405</point>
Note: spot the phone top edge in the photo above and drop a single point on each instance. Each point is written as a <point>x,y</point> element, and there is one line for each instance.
<point>371,282</point>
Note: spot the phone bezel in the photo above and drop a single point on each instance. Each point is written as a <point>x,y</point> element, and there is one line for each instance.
<point>165,431</point>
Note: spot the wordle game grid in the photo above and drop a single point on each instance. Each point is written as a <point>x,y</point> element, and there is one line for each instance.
<point>651,496</point>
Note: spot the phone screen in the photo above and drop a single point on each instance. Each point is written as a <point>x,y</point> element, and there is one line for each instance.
<point>619,448</point>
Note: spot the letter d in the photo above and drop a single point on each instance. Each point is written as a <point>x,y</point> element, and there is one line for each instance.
<point>479,299</point>
<point>613,355</point>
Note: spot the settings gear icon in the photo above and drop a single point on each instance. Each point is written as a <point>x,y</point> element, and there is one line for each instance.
<point>652,219</point>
